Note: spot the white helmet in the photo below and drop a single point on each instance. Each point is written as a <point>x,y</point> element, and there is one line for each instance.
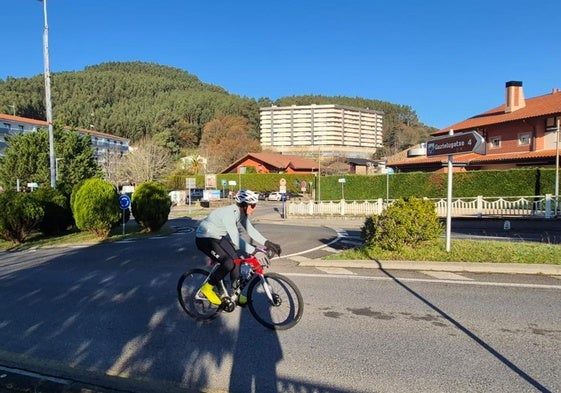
<point>246,196</point>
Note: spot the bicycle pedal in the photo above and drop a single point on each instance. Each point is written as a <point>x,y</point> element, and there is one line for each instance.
<point>227,305</point>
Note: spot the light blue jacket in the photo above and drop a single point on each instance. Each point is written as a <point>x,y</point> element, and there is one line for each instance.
<point>224,221</point>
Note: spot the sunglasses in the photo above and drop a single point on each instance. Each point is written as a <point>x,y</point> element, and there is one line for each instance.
<point>252,205</point>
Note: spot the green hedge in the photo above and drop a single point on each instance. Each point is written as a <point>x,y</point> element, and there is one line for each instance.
<point>513,182</point>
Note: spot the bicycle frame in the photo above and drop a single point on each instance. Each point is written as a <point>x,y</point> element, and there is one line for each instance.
<point>256,269</point>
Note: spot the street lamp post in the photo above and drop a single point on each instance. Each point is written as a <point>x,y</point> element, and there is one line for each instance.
<point>48,104</point>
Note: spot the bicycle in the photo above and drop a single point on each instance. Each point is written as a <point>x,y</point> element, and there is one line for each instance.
<point>273,299</point>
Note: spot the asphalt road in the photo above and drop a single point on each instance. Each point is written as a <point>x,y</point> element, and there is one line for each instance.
<point>106,315</point>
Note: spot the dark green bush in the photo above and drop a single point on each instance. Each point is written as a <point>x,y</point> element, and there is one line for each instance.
<point>56,206</point>
<point>95,205</point>
<point>19,216</point>
<point>150,205</point>
<point>405,223</point>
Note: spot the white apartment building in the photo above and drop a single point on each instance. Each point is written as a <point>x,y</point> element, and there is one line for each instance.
<point>325,130</point>
<point>102,144</point>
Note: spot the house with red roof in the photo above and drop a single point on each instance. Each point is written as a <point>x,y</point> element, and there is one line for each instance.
<point>272,163</point>
<point>522,132</point>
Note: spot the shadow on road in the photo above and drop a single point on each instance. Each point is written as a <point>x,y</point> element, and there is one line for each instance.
<point>467,332</point>
<point>108,315</point>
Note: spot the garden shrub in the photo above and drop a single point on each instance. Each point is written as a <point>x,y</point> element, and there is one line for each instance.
<point>19,216</point>
<point>407,222</point>
<point>150,205</point>
<point>56,206</point>
<point>95,205</point>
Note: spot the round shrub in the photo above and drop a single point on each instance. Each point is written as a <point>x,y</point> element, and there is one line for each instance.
<point>19,216</point>
<point>95,205</point>
<point>407,222</point>
<point>150,205</point>
<point>58,215</point>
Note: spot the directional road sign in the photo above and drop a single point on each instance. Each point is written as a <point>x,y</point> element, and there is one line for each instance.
<point>466,142</point>
<point>124,201</point>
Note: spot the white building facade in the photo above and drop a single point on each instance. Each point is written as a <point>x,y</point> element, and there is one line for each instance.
<point>327,130</point>
<point>103,144</point>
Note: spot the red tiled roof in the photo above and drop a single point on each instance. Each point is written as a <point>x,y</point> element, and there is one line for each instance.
<point>547,104</point>
<point>43,123</point>
<point>282,161</point>
<point>278,161</point>
<point>476,159</point>
<point>23,120</point>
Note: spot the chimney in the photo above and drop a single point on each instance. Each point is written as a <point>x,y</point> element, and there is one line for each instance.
<point>514,96</point>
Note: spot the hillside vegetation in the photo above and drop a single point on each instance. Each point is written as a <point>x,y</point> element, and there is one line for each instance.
<point>136,100</point>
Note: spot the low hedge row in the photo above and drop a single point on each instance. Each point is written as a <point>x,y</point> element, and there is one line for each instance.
<point>514,182</point>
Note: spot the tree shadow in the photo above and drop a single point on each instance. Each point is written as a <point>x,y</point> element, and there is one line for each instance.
<point>107,315</point>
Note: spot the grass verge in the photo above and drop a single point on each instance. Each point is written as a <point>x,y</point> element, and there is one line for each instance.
<point>36,240</point>
<point>462,251</point>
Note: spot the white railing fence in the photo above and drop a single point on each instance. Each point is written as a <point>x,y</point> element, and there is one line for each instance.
<point>543,206</point>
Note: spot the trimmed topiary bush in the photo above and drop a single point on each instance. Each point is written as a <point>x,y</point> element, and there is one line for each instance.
<point>19,216</point>
<point>150,205</point>
<point>407,222</point>
<point>95,205</point>
<point>58,215</point>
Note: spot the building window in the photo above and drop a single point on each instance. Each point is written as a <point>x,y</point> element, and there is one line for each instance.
<point>551,123</point>
<point>524,139</point>
<point>495,142</point>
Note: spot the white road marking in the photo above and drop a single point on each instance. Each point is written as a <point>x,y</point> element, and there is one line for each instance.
<point>488,284</point>
<point>445,275</point>
<point>335,270</point>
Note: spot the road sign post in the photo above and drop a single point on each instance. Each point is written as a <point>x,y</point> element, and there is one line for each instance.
<point>124,203</point>
<point>342,181</point>
<point>465,142</point>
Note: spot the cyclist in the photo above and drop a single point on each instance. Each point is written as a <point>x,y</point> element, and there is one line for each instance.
<point>218,237</point>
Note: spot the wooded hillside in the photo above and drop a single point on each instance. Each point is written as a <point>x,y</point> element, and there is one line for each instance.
<point>136,100</point>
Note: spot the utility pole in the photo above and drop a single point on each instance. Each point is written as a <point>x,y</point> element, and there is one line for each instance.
<point>48,104</point>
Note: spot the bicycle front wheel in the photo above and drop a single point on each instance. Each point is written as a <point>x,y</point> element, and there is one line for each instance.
<point>275,301</point>
<point>194,303</point>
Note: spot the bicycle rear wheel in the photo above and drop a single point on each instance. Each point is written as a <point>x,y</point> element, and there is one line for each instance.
<point>194,303</point>
<point>282,309</point>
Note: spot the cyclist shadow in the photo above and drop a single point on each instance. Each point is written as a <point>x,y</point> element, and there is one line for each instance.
<point>255,357</point>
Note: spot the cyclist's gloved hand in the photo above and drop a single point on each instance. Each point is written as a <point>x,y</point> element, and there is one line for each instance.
<point>273,247</point>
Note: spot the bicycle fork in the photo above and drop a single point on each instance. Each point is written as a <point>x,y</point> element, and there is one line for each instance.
<point>273,298</point>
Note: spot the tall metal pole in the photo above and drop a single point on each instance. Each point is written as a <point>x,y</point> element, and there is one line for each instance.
<point>319,174</point>
<point>557,170</point>
<point>48,104</point>
<point>449,199</point>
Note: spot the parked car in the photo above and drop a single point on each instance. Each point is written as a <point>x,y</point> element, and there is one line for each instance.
<point>196,195</point>
<point>274,196</point>
<point>292,195</point>
<point>264,195</point>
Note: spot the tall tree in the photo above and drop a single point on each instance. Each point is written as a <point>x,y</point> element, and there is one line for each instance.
<point>27,159</point>
<point>226,139</point>
<point>146,162</point>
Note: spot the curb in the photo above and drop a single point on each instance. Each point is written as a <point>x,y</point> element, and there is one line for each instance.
<point>455,267</point>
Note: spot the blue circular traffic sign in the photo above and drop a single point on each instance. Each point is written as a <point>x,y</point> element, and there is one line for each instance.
<point>124,201</point>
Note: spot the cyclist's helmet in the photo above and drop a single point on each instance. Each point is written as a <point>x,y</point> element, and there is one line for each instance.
<point>246,197</point>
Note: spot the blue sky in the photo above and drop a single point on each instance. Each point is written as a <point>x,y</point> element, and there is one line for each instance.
<point>446,60</point>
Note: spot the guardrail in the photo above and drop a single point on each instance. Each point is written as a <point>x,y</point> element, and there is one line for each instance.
<point>543,206</point>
